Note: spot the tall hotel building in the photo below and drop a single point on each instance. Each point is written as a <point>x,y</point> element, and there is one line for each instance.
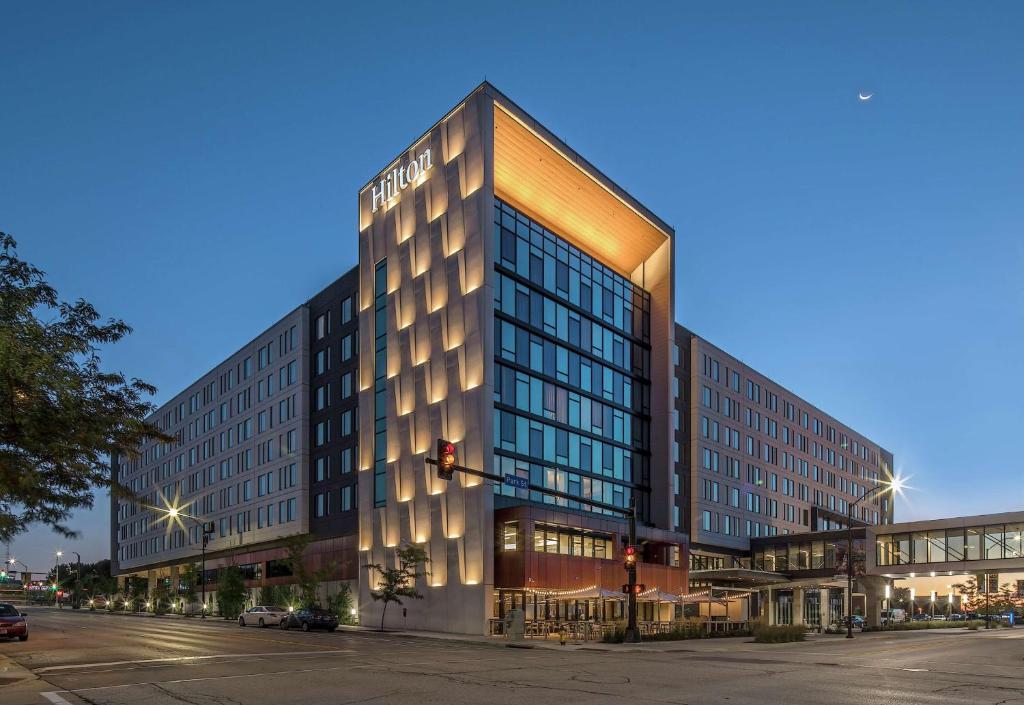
<point>510,298</point>
<point>516,301</point>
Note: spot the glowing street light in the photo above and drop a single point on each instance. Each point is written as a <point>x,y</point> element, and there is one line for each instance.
<point>173,513</point>
<point>895,485</point>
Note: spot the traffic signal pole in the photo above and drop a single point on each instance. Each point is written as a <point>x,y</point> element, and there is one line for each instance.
<point>632,635</point>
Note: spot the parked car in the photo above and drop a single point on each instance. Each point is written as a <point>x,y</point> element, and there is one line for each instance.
<point>938,618</point>
<point>921,617</point>
<point>12,623</point>
<point>306,619</point>
<point>957,617</point>
<point>262,616</point>
<point>894,616</point>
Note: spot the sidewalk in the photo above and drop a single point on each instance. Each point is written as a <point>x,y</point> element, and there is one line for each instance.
<point>210,619</point>
<point>711,645</point>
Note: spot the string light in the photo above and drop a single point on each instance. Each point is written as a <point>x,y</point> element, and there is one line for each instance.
<point>561,593</point>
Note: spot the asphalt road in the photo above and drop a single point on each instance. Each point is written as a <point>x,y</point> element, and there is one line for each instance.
<point>96,658</point>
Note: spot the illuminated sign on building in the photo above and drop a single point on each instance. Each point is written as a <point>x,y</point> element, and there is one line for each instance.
<point>399,179</point>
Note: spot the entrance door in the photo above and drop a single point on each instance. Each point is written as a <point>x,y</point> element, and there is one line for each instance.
<point>812,608</point>
<point>836,605</point>
<point>784,607</point>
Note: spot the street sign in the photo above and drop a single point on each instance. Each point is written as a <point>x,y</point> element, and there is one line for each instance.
<point>515,481</point>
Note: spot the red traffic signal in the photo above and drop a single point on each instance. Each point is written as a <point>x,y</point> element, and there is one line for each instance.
<point>445,459</point>
<point>629,557</point>
<point>637,589</point>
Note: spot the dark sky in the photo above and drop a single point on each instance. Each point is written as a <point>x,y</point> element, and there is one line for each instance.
<point>193,169</point>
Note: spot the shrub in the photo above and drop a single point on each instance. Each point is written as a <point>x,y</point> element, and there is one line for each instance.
<point>917,626</point>
<point>779,634</point>
<point>340,604</point>
<point>679,632</point>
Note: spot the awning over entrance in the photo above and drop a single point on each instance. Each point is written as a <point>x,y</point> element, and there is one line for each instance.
<point>737,576</point>
<point>808,583</point>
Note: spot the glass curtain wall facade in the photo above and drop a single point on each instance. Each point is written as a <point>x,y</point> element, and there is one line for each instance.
<point>572,370</point>
<point>974,543</point>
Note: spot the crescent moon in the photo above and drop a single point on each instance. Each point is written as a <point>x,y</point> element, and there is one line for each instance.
<point>865,97</point>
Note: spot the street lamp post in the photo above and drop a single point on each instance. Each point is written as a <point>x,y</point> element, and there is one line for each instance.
<point>77,601</point>
<point>56,579</point>
<point>882,487</point>
<point>175,513</point>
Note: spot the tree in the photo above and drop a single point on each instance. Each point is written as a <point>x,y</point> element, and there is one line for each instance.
<point>275,595</point>
<point>61,415</point>
<point>307,581</point>
<point>340,604</point>
<point>230,592</point>
<point>189,579</point>
<point>135,588</point>
<point>160,597</point>
<point>900,597</point>
<point>399,582</point>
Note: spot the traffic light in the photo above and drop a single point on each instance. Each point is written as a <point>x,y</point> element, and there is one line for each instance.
<point>445,459</point>
<point>637,589</point>
<point>629,559</point>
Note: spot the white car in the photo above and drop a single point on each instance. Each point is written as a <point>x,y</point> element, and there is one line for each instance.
<point>262,616</point>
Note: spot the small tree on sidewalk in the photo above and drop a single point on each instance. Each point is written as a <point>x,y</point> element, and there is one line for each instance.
<point>396,583</point>
<point>230,592</point>
<point>189,578</point>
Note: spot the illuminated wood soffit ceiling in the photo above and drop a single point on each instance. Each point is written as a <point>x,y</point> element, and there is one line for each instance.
<point>533,176</point>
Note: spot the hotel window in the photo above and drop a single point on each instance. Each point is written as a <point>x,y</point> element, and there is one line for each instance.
<point>380,364</point>
<point>570,542</point>
<point>323,397</point>
<point>348,460</point>
<point>347,422</point>
<point>320,504</point>
<point>347,495</point>
<point>510,536</point>
<point>323,468</point>
<point>322,325</point>
<point>346,385</point>
<point>348,340</point>
<point>323,361</point>
<point>346,310</point>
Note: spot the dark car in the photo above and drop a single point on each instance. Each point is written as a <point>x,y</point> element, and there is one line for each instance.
<point>858,621</point>
<point>306,619</point>
<point>12,623</point>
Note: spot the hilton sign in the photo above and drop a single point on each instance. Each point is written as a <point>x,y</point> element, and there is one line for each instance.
<point>399,179</point>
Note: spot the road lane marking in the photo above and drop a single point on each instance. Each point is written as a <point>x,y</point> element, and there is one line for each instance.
<point>67,667</point>
<point>383,664</point>
<point>54,698</point>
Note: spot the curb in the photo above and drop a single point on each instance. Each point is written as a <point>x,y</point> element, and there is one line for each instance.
<point>11,672</point>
